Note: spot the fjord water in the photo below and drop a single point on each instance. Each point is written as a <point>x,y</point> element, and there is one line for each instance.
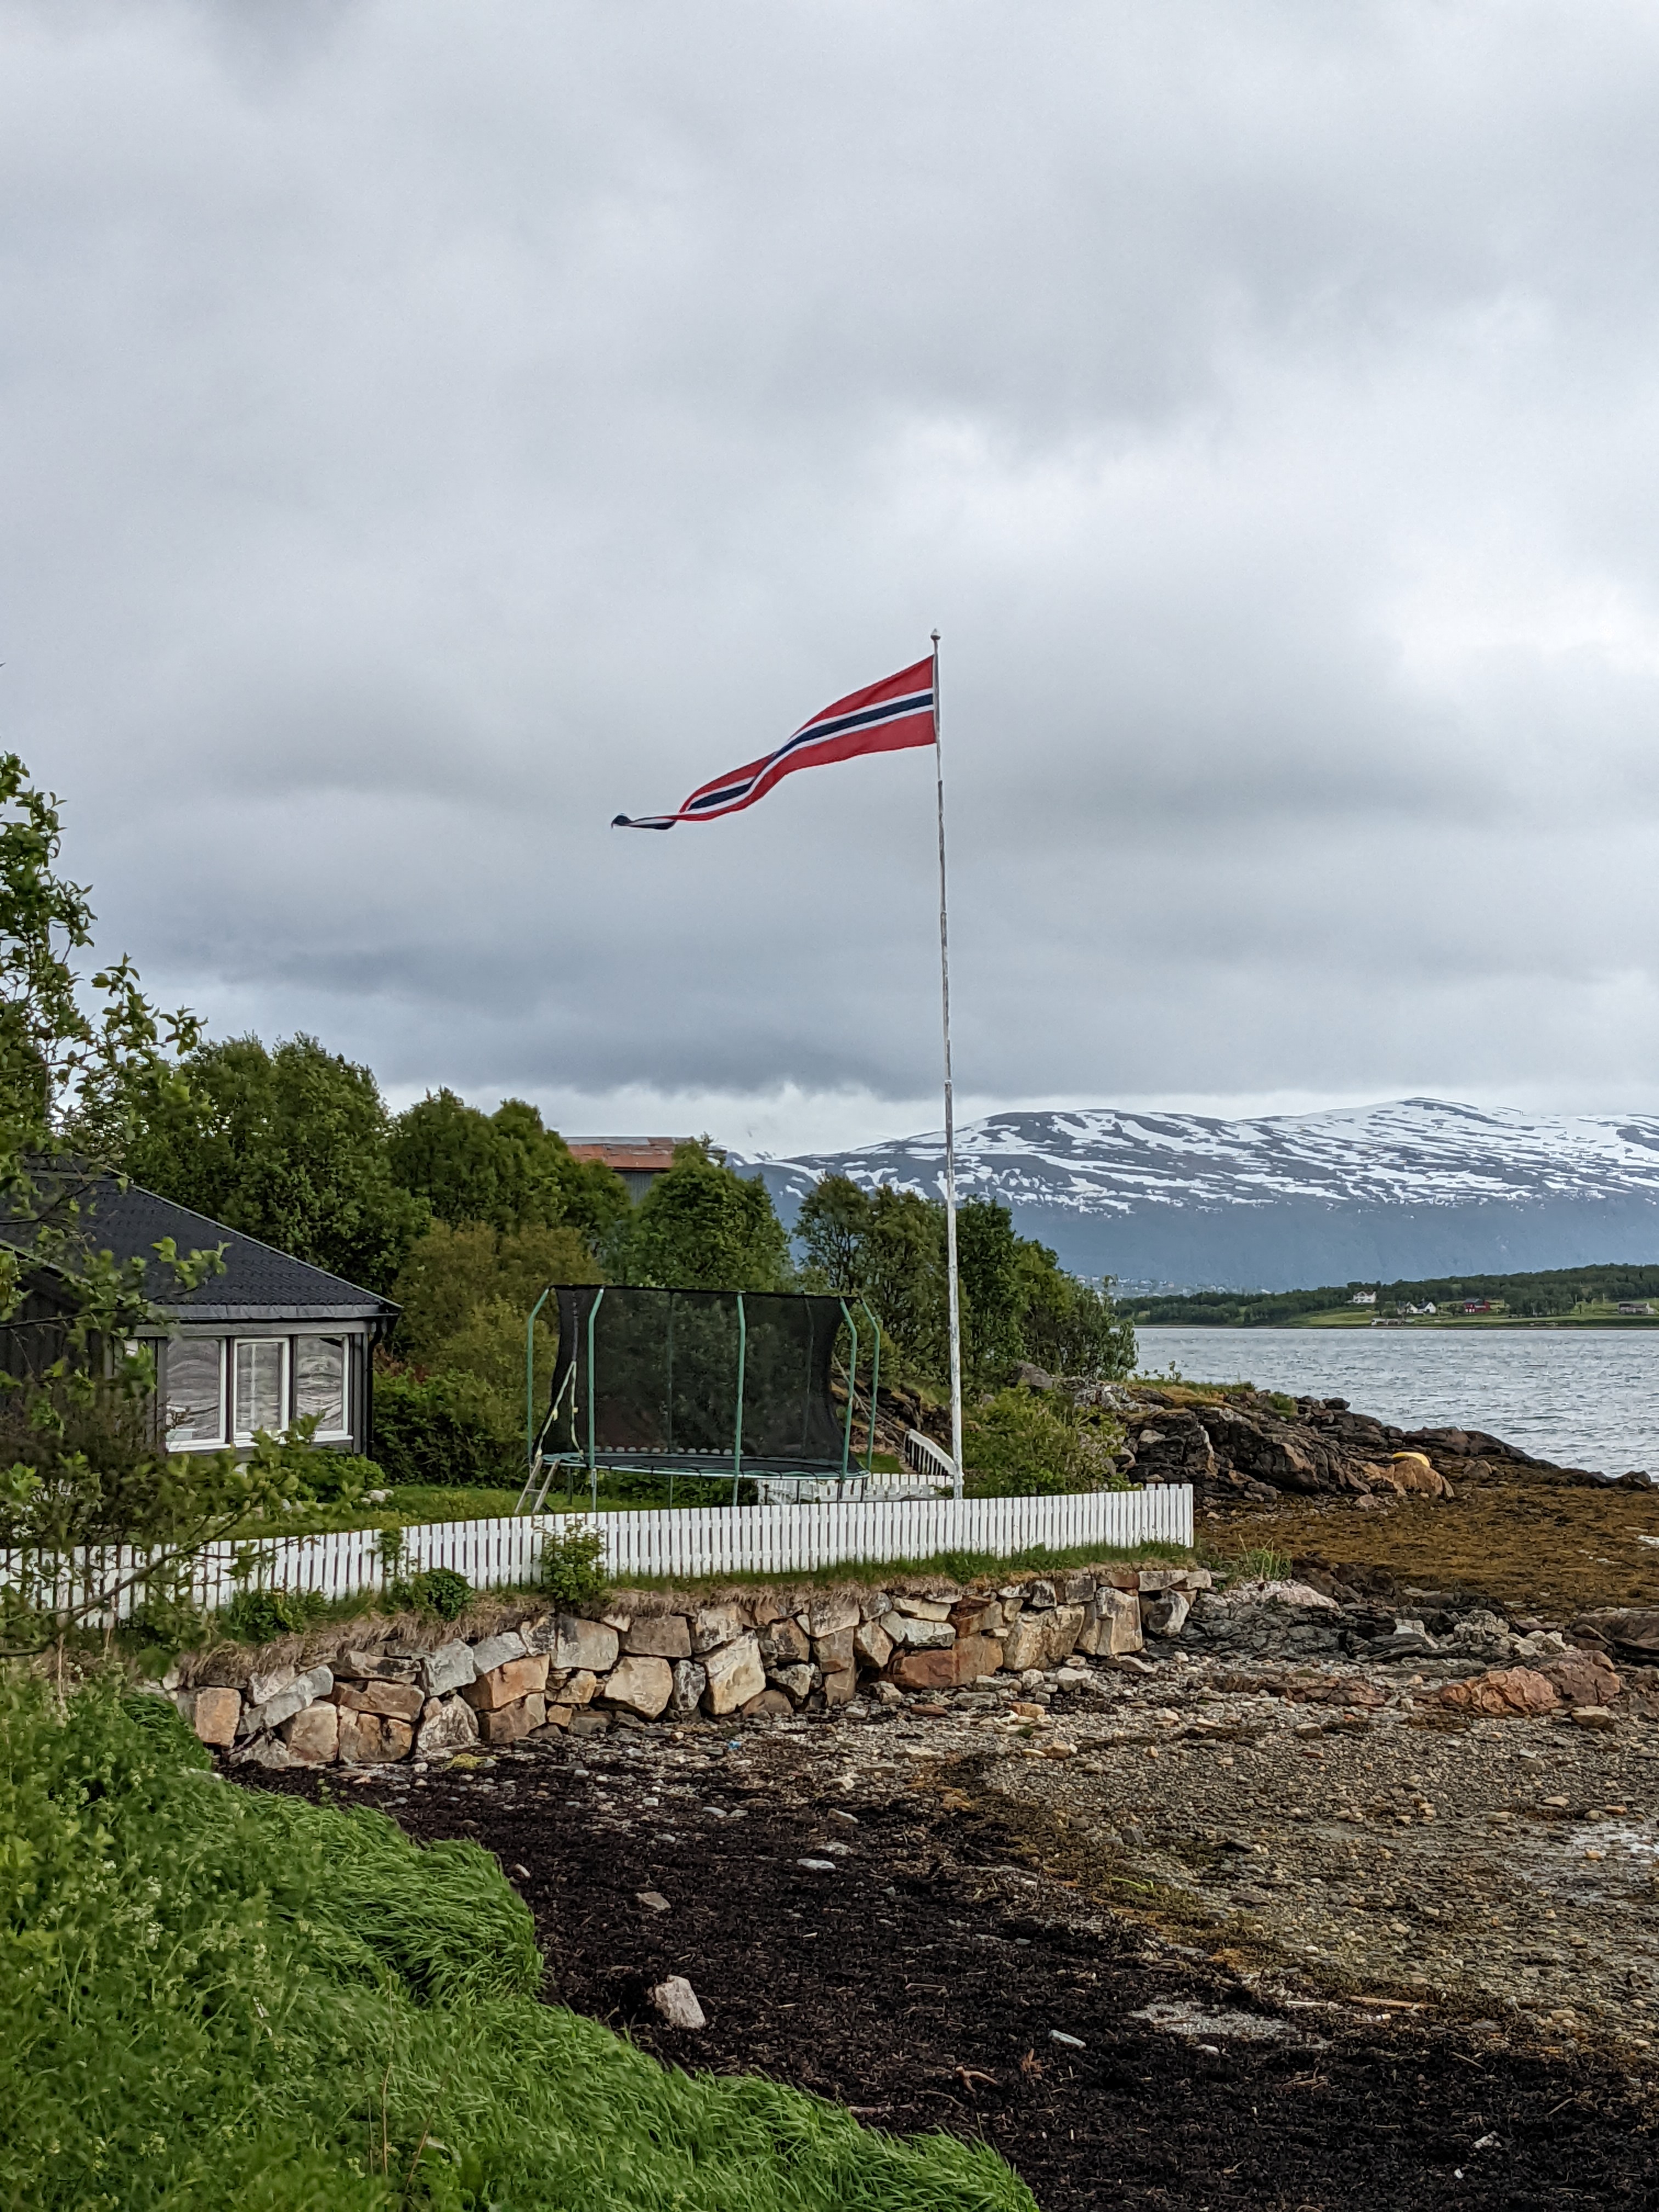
<point>1580,1397</point>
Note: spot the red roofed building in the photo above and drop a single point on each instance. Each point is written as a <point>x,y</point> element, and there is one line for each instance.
<point>638,1160</point>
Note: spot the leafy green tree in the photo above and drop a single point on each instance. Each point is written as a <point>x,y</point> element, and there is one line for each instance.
<point>702,1226</point>
<point>504,1168</point>
<point>1068,1326</point>
<point>450,1273</point>
<point>289,1146</point>
<point>832,1228</point>
<point>987,1261</point>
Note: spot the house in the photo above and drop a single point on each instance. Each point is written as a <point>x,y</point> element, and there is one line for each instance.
<point>638,1160</point>
<point>1363,1298</point>
<point>1636,1309</point>
<point>266,1341</point>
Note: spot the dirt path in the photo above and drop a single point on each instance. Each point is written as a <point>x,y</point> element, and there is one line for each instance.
<point>976,1901</point>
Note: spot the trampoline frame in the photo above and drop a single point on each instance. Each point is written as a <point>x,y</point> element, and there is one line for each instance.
<point>542,1465</point>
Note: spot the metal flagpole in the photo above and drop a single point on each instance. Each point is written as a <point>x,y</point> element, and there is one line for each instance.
<point>949,1111</point>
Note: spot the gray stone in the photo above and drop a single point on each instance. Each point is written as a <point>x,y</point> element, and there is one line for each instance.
<point>910,1635</point>
<point>1111,1625</point>
<point>795,1681</point>
<point>449,1667</point>
<point>640,1685</point>
<point>659,1636</point>
<point>923,1608</point>
<point>304,1690</point>
<point>262,1688</point>
<point>263,1751</point>
<point>872,1644</point>
<point>572,1642</point>
<point>785,1643</point>
<point>447,1724</point>
<point>735,1675</point>
<point>830,1614</point>
<point>690,1680</point>
<point>1166,1614</point>
<point>1040,1597</point>
<point>714,1625</point>
<point>495,1650</point>
<point>675,2001</point>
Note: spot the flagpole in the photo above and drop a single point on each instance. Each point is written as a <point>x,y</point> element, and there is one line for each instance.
<point>950,1111</point>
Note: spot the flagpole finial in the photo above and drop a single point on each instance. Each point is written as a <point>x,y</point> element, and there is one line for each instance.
<point>935,637</point>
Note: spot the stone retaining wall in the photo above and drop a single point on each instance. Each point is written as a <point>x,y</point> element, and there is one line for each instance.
<point>667,1660</point>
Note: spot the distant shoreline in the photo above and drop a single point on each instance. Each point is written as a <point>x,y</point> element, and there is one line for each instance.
<point>1421,1322</point>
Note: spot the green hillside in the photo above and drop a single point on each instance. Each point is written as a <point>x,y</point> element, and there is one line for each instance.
<point>1585,1296</point>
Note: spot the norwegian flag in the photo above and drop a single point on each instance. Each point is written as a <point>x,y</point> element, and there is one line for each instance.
<point>884,718</point>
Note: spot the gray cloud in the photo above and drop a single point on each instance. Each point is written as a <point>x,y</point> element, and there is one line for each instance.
<point>428,431</point>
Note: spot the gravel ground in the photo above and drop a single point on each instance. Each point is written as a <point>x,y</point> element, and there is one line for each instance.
<point>1186,1936</point>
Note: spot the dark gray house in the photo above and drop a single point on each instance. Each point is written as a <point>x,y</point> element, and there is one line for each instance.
<point>266,1341</point>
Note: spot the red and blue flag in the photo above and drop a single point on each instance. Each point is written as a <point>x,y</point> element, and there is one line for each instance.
<point>884,718</point>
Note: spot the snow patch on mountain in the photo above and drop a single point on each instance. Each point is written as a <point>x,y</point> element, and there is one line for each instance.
<point>1413,1186</point>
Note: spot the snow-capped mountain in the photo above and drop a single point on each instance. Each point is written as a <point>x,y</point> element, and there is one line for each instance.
<point>1410,1188</point>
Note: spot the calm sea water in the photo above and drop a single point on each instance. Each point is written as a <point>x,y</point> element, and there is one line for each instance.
<point>1580,1397</point>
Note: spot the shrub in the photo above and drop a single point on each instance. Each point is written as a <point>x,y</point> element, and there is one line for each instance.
<point>439,1590</point>
<point>572,1573</point>
<point>259,1616</point>
<point>1024,1444</point>
<point>444,1431</point>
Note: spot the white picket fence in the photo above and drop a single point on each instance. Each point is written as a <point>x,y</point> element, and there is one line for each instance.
<point>683,1542</point>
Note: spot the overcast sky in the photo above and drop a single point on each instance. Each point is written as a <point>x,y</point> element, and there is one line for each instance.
<point>428,429</point>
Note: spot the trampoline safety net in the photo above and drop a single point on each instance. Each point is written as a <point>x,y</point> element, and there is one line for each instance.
<point>701,1382</point>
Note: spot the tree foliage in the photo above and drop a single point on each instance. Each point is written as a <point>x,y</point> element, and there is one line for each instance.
<point>1018,1304</point>
<point>289,1145</point>
<point>702,1226</point>
<point>504,1168</point>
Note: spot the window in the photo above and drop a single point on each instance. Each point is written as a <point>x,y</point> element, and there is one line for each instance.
<point>261,1377</point>
<point>319,1382</point>
<point>196,1391</point>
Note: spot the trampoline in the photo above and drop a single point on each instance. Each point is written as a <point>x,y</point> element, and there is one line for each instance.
<point>698,1386</point>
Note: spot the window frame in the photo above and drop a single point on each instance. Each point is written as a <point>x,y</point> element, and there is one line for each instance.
<point>343,1433</point>
<point>243,1438</point>
<point>221,1344</point>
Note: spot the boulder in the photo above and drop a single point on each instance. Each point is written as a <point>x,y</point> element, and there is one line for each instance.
<point>448,1668</point>
<point>770,1703</point>
<point>834,1653</point>
<point>735,1675</point>
<point>505,1685</point>
<point>400,1701</point>
<point>913,1635</point>
<point>580,1688</point>
<point>1582,1678</point>
<point>831,1611</point>
<point>271,1683</point>
<point>785,1643</point>
<point>270,1715</point>
<point>690,1680</point>
<point>965,1660</point>
<point>1166,1614</point>
<point>1043,1639</point>
<point>713,1625</point>
<point>842,1688</point>
<point>1111,1625</point>
<point>1505,1694</point>
<point>507,1723</point>
<point>923,1608</point>
<point>659,1636</point>
<point>447,1724</point>
<point>640,1684</point>
<point>872,1644</point>
<point>977,1616</point>
<point>263,1751</point>
<point>312,1736</point>
<point>1041,1595</point>
<point>214,1716</point>
<point>571,1641</point>
<point>796,1681</point>
<point>373,1739</point>
<point>1075,1587</point>
<point>495,1651</point>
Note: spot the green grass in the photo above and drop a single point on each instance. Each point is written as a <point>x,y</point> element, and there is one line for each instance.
<point>219,1999</point>
<point>953,1567</point>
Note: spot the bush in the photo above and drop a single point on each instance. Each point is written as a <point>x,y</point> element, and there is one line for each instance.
<point>259,1616</point>
<point>1024,1444</point>
<point>443,1431</point>
<point>226,1999</point>
<point>572,1574</point>
<point>439,1590</point>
